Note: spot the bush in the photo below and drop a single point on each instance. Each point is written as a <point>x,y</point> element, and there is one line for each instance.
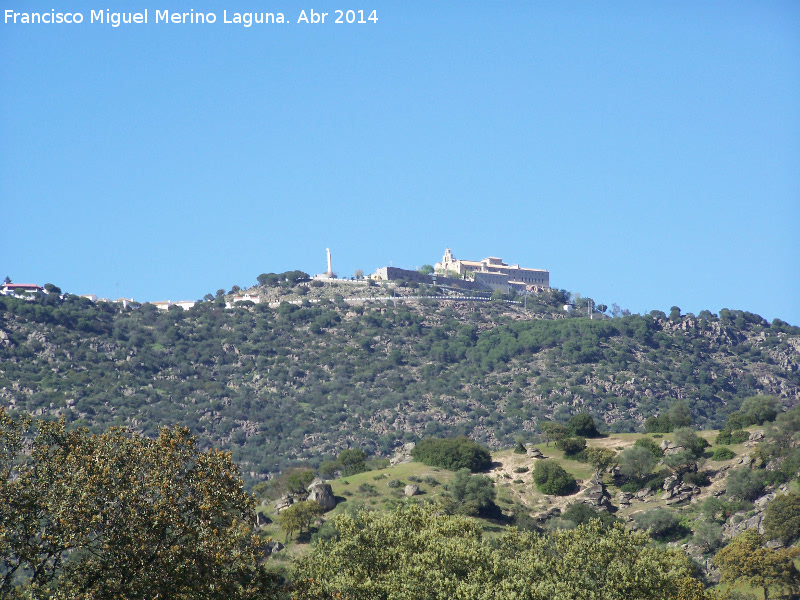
<point>723,453</point>
<point>368,490</point>
<point>431,480</point>
<point>745,484</point>
<point>453,454</point>
<point>395,483</point>
<point>520,469</point>
<point>662,523</point>
<point>582,425</point>
<point>580,514</point>
<point>637,462</point>
<point>782,520</point>
<point>686,437</point>
<point>571,445</point>
<point>475,493</point>
<point>649,445</point>
<point>551,478</point>
<point>726,436</point>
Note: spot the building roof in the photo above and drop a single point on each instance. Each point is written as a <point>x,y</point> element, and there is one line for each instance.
<point>13,286</point>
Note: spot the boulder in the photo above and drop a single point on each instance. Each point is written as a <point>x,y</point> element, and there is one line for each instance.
<point>283,502</point>
<point>535,453</point>
<point>262,519</point>
<point>411,489</point>
<point>322,493</point>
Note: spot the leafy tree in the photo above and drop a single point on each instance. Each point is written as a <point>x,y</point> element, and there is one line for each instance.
<point>759,409</point>
<point>299,516</point>
<point>554,431</point>
<point>782,519</point>
<point>298,480</point>
<point>520,448</point>
<point>680,415</point>
<point>52,289</point>
<point>581,513</point>
<point>475,493</point>
<point>358,273</point>
<point>118,515</point>
<point>453,454</point>
<point>688,439</point>
<point>551,478</point>
<point>745,558</point>
<point>650,445</point>
<point>662,523</point>
<point>426,269</point>
<point>582,425</point>
<point>708,535</point>
<point>726,436</point>
<point>745,484</point>
<point>416,553</point>
<point>637,462</point>
<point>601,459</point>
<point>571,446</point>
<point>352,461</point>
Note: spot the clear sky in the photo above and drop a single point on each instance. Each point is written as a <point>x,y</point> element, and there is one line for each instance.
<point>646,153</point>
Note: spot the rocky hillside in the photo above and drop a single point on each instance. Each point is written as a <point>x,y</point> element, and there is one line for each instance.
<point>300,382</point>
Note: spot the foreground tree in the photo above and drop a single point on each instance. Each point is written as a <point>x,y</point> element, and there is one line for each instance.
<point>117,515</point>
<point>745,558</point>
<point>417,553</point>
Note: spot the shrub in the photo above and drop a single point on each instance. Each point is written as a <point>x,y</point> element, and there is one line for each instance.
<point>520,469</point>
<point>745,484</point>
<point>582,425</point>
<point>649,445</point>
<point>395,483</point>
<point>782,520</point>
<point>431,480</point>
<point>551,478</point>
<point>571,445</point>
<point>686,437</point>
<point>580,514</point>
<point>475,493</point>
<point>698,478</point>
<point>453,454</point>
<point>726,436</point>
<point>723,453</point>
<point>662,523</point>
<point>368,490</point>
<point>637,462</point>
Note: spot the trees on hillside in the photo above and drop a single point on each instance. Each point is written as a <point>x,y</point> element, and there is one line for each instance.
<point>119,515</point>
<point>419,553</point>
<point>745,558</point>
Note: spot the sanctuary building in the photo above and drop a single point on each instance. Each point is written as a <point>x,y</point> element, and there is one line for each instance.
<point>493,272</point>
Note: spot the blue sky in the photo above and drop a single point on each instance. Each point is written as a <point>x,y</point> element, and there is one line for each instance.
<point>647,154</point>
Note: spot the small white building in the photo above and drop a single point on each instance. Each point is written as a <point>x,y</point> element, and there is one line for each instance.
<point>21,290</point>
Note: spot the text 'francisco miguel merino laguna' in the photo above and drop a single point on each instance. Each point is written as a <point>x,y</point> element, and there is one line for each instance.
<point>115,19</point>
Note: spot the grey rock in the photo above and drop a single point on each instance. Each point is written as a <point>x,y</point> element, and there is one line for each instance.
<point>411,489</point>
<point>322,493</point>
<point>283,502</point>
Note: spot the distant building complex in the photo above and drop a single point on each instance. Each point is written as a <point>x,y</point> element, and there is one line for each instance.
<point>488,274</point>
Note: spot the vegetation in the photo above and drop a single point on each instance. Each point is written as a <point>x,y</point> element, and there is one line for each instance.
<point>302,382</point>
<point>782,520</point>
<point>745,558</point>
<point>118,515</point>
<point>551,478</point>
<point>455,454</point>
<point>416,553</point>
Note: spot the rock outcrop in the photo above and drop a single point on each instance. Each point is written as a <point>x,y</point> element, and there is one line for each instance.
<point>322,493</point>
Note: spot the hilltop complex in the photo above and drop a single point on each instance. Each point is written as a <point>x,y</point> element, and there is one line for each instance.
<point>488,274</point>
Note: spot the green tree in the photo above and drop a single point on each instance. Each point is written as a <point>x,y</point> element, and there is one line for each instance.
<point>745,558</point>
<point>650,445</point>
<point>571,446</point>
<point>582,425</point>
<point>426,269</point>
<point>553,431</point>
<point>636,462</point>
<point>475,493</point>
<point>680,415</point>
<point>417,553</point>
<point>688,439</point>
<point>601,459</point>
<point>298,517</point>
<point>352,461</point>
<point>119,515</point>
<point>782,519</point>
<point>745,484</point>
<point>551,478</point>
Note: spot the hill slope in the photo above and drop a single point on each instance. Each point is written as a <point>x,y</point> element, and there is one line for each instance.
<point>276,385</point>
